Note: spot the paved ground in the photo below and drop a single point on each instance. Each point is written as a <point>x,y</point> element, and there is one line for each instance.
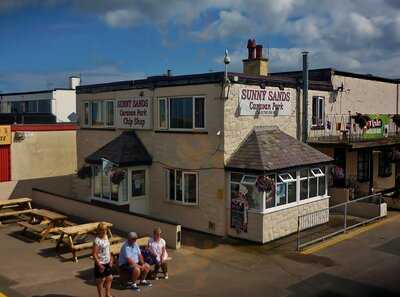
<point>367,265</point>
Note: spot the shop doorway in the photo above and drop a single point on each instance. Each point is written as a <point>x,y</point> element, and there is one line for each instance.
<point>139,190</point>
<point>5,163</point>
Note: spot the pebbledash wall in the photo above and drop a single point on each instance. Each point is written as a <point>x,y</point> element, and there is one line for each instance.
<point>204,152</point>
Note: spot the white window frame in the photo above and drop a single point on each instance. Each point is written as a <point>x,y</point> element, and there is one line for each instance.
<point>317,172</point>
<point>105,114</point>
<point>168,185</point>
<point>246,182</point>
<point>286,179</point>
<point>319,116</point>
<point>120,201</point>
<point>296,180</point>
<point>168,117</point>
<point>194,112</point>
<point>89,123</point>
<point>166,113</point>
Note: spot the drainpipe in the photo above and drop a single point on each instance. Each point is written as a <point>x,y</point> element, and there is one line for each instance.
<point>397,99</point>
<point>298,115</point>
<point>305,96</point>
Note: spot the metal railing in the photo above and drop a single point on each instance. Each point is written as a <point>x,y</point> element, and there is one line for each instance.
<point>323,224</point>
<point>343,128</point>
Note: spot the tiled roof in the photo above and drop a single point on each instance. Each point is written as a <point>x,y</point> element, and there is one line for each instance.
<point>125,150</point>
<point>270,149</point>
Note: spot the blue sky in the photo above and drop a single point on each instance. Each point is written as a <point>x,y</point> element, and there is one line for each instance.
<point>42,42</point>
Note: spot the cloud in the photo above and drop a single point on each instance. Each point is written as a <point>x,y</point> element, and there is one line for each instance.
<point>121,17</point>
<point>228,23</point>
<point>356,35</point>
<point>28,81</point>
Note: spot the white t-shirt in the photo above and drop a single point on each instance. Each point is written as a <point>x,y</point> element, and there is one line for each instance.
<point>157,248</point>
<point>103,246</point>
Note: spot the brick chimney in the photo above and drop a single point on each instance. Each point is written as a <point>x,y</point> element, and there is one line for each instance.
<point>255,63</point>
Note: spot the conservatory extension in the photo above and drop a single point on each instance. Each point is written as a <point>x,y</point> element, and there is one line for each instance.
<point>274,178</point>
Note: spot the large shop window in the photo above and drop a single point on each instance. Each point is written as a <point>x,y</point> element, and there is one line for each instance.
<point>99,113</point>
<point>282,188</point>
<point>363,165</point>
<point>318,111</point>
<point>105,189</point>
<point>182,186</point>
<point>181,113</point>
<point>385,165</point>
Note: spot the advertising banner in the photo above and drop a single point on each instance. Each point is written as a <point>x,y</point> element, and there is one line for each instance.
<point>5,135</point>
<point>376,126</point>
<point>135,113</point>
<point>269,101</point>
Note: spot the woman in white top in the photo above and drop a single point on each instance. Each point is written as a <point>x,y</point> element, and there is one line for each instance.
<point>103,262</point>
<point>158,249</point>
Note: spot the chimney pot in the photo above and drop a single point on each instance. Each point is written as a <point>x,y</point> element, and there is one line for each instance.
<point>259,49</point>
<point>251,46</point>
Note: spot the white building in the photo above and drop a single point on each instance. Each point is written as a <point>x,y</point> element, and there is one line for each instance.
<point>58,102</point>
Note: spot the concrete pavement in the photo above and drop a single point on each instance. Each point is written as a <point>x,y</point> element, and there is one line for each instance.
<point>366,265</point>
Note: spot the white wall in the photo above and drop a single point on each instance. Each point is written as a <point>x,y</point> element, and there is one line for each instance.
<point>64,104</point>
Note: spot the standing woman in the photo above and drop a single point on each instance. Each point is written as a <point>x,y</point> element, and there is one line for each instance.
<point>102,261</point>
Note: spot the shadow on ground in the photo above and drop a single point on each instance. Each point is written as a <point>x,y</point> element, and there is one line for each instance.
<point>327,285</point>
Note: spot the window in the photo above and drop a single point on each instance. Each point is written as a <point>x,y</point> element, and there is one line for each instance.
<point>138,183</point>
<point>318,111</point>
<point>32,106</point>
<point>104,189</point>
<point>86,113</point>
<point>181,113</point>
<point>309,182</point>
<point>109,108</point>
<point>385,165</point>
<point>182,186</point>
<point>44,106</point>
<point>363,165</point>
<point>199,121</point>
<point>286,188</point>
<point>244,185</point>
<point>162,108</point>
<point>97,113</point>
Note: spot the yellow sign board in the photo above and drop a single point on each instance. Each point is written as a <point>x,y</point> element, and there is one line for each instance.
<point>5,135</point>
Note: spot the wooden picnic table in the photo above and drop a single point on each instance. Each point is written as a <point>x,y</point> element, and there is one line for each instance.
<point>43,222</point>
<point>15,207</point>
<point>70,234</point>
<point>16,203</point>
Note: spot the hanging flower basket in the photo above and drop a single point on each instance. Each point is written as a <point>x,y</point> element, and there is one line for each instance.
<point>396,119</point>
<point>265,184</point>
<point>361,120</point>
<point>117,176</point>
<point>84,172</point>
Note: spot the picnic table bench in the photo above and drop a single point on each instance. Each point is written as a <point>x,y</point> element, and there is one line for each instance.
<point>43,222</point>
<point>15,207</point>
<point>70,234</point>
<point>17,202</point>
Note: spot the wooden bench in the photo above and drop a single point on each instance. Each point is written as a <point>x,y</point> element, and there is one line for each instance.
<point>39,228</point>
<point>89,245</point>
<point>116,248</point>
<point>14,213</point>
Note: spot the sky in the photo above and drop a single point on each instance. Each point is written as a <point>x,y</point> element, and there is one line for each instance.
<point>42,42</point>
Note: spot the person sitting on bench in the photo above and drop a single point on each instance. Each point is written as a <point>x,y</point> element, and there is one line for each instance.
<point>158,250</point>
<point>130,260</point>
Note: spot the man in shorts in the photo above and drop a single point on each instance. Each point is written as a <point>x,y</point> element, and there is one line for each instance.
<point>131,261</point>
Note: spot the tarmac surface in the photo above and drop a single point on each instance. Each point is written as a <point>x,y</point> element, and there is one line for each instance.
<point>366,265</point>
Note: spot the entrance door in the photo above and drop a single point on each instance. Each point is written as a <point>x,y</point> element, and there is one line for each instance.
<point>5,163</point>
<point>139,191</point>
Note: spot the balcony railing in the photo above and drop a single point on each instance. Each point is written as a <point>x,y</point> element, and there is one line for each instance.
<point>349,128</point>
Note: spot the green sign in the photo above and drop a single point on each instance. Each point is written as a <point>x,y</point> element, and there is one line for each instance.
<point>376,126</point>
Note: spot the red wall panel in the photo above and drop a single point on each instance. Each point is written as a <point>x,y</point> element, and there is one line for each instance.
<point>5,163</point>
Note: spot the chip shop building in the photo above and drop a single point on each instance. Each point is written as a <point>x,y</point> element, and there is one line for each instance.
<point>214,156</point>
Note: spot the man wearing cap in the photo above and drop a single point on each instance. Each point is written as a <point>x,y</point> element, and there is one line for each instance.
<point>131,260</point>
